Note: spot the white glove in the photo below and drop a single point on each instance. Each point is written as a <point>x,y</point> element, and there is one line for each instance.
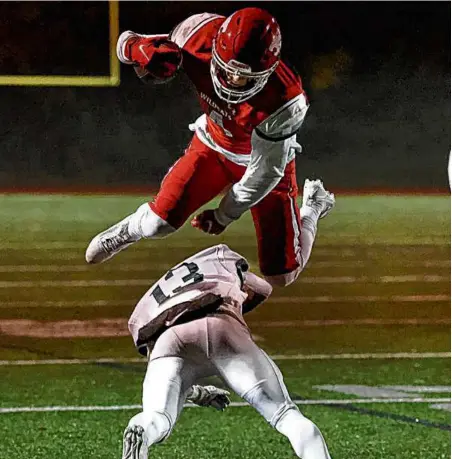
<point>209,396</point>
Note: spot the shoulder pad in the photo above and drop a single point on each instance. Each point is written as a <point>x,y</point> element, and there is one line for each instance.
<point>286,121</point>
<point>187,28</point>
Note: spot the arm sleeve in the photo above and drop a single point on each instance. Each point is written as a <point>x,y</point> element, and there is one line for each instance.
<point>266,168</point>
<point>258,291</point>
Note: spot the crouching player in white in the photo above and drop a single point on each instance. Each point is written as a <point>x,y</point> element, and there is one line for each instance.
<point>192,320</point>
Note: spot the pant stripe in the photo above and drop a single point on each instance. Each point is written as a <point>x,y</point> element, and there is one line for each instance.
<point>296,229</point>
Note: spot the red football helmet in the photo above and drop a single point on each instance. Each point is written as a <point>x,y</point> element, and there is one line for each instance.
<point>245,52</point>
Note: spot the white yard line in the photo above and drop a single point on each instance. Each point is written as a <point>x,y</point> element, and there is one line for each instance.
<point>79,283</point>
<point>419,389</point>
<point>82,268</point>
<point>360,299</point>
<point>41,409</point>
<point>149,282</point>
<point>277,300</point>
<point>367,356</point>
<point>334,322</point>
<point>117,327</point>
<point>151,267</point>
<point>341,356</point>
<point>37,256</point>
<point>66,304</point>
<point>352,250</point>
<point>70,245</point>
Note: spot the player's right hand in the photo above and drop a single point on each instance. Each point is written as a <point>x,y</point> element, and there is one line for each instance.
<point>206,221</point>
<point>154,56</point>
<point>209,396</point>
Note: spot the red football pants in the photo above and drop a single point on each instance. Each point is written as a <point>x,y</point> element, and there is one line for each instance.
<point>202,173</point>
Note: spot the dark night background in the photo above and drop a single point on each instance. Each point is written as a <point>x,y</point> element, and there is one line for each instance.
<point>377,75</point>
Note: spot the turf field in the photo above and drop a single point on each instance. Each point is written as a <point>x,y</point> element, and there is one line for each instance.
<point>362,338</point>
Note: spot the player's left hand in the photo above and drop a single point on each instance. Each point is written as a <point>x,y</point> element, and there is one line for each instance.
<point>209,396</point>
<point>206,221</point>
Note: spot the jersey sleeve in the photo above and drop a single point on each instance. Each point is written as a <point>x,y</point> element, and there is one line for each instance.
<point>258,291</point>
<point>286,121</point>
<point>188,28</point>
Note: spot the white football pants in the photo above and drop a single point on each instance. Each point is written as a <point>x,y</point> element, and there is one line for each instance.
<point>220,345</point>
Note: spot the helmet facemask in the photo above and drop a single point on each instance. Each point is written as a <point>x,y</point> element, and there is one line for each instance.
<point>222,74</point>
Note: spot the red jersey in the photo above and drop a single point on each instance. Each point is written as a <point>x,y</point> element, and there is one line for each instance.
<point>258,133</point>
<point>231,125</point>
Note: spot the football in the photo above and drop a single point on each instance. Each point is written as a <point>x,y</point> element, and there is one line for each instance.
<point>164,64</point>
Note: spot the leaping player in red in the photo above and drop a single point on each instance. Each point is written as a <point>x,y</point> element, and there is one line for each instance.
<point>253,106</point>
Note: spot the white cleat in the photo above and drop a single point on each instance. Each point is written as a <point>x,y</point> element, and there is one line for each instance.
<point>315,196</point>
<point>133,444</point>
<point>110,242</point>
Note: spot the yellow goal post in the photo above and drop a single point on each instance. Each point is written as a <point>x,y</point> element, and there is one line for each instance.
<point>72,80</point>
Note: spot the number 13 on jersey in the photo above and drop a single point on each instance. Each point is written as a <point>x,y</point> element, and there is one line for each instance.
<point>175,280</point>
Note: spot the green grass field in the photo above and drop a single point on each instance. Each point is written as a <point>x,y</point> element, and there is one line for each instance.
<point>362,338</point>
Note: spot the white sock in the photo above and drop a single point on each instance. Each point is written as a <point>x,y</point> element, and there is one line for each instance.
<point>304,436</point>
<point>309,218</point>
<point>144,223</point>
<point>156,426</point>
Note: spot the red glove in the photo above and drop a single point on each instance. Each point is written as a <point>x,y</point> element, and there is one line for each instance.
<point>207,222</point>
<point>155,57</point>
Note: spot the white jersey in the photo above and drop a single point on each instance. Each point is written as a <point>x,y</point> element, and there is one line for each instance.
<point>211,278</point>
